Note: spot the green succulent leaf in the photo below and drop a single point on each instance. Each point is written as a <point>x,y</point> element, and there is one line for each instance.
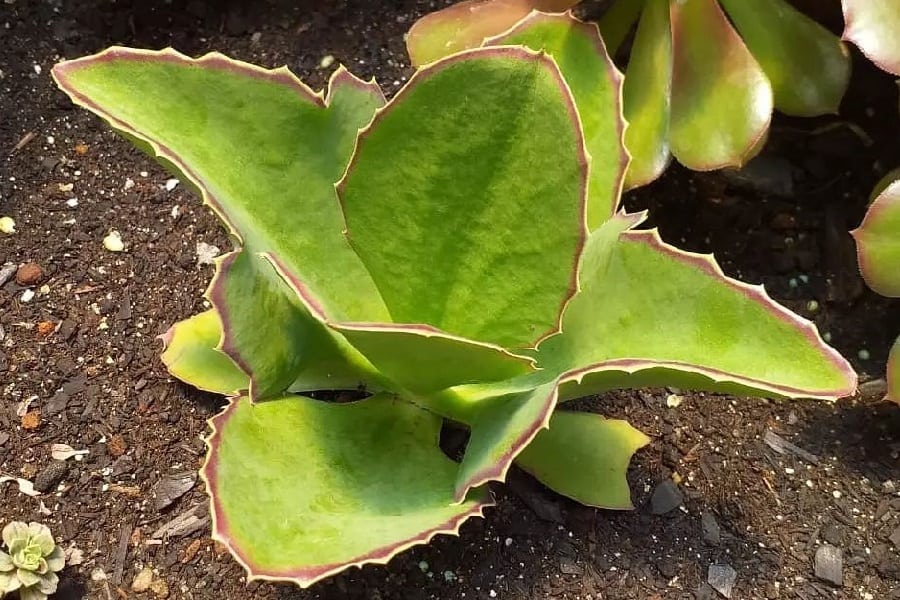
<point>692,321</point>
<point>647,96</point>
<point>878,243</point>
<point>423,360</point>
<point>503,427</point>
<point>585,457</point>
<point>464,25</point>
<point>484,137</point>
<point>6,563</point>
<point>202,117</point>
<point>303,489</point>
<point>893,373</point>
<point>872,25</point>
<point>191,354</point>
<point>721,98</point>
<point>807,65</point>
<point>617,22</point>
<point>578,50</point>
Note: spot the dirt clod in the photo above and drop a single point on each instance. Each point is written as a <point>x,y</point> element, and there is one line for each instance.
<point>50,477</point>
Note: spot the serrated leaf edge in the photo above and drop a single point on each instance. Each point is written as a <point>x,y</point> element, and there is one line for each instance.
<point>306,577</point>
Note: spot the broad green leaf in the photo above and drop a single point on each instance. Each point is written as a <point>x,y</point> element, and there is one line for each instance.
<point>502,428</point>
<point>878,243</point>
<point>484,138</point>
<point>807,65</point>
<point>302,489</point>
<point>423,360</point>
<point>617,22</point>
<point>893,373</point>
<point>646,305</point>
<point>585,457</point>
<point>464,25</point>
<point>647,96</point>
<point>191,354</point>
<point>873,25</point>
<point>203,117</point>
<point>596,87</point>
<point>721,99</point>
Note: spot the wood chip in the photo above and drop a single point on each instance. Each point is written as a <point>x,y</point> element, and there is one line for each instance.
<point>188,554</point>
<point>172,487</point>
<point>782,446</point>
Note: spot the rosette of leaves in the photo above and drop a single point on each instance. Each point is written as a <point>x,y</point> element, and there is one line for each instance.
<point>434,251</point>
<point>878,251</point>
<point>703,76</point>
<point>32,563</point>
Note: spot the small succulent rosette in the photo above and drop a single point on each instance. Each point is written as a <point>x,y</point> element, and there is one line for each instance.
<point>32,563</point>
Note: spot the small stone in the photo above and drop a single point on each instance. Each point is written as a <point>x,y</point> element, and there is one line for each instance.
<point>142,580</point>
<point>160,588</point>
<point>52,474</point>
<point>171,184</point>
<point>45,328</point>
<point>888,487</point>
<point>113,242</point>
<point>98,575</point>
<point>666,498</point>
<point>27,296</point>
<point>207,253</point>
<point>863,354</point>
<point>29,274</point>
<point>326,61</point>
<point>712,533</point>
<point>875,389</point>
<point>829,564</point>
<point>895,537</point>
<point>81,149</point>
<point>7,225</point>
<point>722,578</point>
<point>423,566</point>
<point>6,273</point>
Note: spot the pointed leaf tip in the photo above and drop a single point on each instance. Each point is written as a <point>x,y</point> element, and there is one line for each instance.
<point>585,457</point>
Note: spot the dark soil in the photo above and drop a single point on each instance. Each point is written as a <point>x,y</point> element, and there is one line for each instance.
<point>98,384</point>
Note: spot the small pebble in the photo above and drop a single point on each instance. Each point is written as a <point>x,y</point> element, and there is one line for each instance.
<point>812,306</point>
<point>712,533</point>
<point>722,578</point>
<point>826,336</point>
<point>864,354</point>
<point>6,273</point>
<point>804,278</point>
<point>666,498</point>
<point>888,487</point>
<point>792,283</point>
<point>326,61</point>
<point>423,566</point>
<point>27,296</point>
<point>29,274</point>
<point>829,564</point>
<point>52,474</point>
<point>171,184</point>
<point>72,202</point>
<point>7,225</point>
<point>113,242</point>
<point>142,580</point>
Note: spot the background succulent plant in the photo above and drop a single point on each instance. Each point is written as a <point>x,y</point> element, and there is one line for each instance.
<point>31,561</point>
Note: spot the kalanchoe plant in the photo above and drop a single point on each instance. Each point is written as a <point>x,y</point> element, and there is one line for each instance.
<point>878,249</point>
<point>703,75</point>
<point>456,252</point>
<point>31,561</point>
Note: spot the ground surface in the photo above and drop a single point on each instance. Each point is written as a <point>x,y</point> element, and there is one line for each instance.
<point>97,383</point>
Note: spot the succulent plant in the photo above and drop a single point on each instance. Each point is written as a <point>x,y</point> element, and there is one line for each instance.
<point>33,561</point>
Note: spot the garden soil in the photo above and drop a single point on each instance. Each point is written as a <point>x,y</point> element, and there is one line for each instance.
<point>714,502</point>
